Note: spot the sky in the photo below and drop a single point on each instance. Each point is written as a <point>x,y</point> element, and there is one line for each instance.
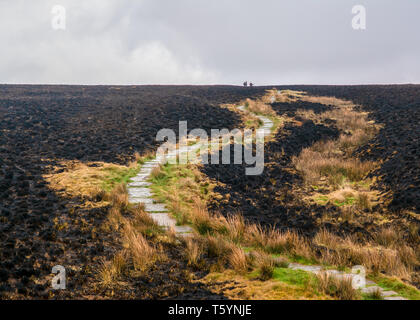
<point>267,42</point>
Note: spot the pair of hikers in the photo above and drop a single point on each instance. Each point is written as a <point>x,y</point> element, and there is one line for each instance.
<point>250,84</point>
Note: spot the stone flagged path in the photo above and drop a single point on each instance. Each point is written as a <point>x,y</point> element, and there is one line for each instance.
<point>139,192</point>
<point>139,188</point>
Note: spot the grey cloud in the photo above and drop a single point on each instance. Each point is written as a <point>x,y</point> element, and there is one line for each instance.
<point>198,42</point>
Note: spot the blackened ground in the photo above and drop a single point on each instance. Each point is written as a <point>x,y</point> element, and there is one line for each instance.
<point>290,109</point>
<point>42,124</point>
<point>272,197</point>
<point>397,145</point>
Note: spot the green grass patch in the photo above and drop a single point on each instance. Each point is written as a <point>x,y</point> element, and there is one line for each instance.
<point>294,277</point>
<point>347,201</point>
<point>322,200</point>
<point>115,176</point>
<point>142,160</point>
<point>396,285</point>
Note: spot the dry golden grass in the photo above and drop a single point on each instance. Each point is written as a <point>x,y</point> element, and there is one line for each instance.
<point>119,196</point>
<point>143,255</point>
<point>259,107</point>
<point>363,201</point>
<point>236,227</point>
<point>275,241</point>
<point>237,260</point>
<point>238,287</point>
<point>285,96</point>
<point>217,247</point>
<point>328,101</point>
<point>81,180</point>
<point>340,288</point>
<point>111,271</point>
<point>399,261</point>
<point>264,263</point>
<point>193,251</point>
<point>157,172</point>
<point>315,165</point>
<point>115,219</point>
<point>142,221</point>
<point>330,162</point>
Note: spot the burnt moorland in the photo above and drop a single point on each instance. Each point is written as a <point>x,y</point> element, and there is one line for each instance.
<point>275,196</point>
<point>42,125</point>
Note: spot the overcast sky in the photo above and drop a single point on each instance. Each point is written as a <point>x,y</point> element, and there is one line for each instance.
<point>209,42</point>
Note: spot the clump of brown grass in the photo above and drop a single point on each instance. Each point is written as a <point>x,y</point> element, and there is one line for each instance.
<point>348,119</point>
<point>327,239</point>
<point>119,196</point>
<point>114,218</point>
<point>205,222</point>
<point>264,263</point>
<point>157,172</point>
<point>83,180</point>
<point>285,96</point>
<point>143,255</point>
<point>218,247</point>
<point>238,260</point>
<point>334,286</point>
<point>376,294</point>
<point>143,222</point>
<point>328,101</point>
<point>275,241</point>
<point>315,165</point>
<point>387,237</point>
<point>348,252</point>
<point>110,271</point>
<point>193,252</point>
<point>348,142</point>
<point>259,107</point>
<point>363,201</point>
<point>235,225</point>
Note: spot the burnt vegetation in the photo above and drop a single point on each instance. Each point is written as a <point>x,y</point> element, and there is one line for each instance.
<point>335,188</point>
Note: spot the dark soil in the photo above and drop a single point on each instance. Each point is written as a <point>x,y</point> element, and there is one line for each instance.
<point>40,125</point>
<point>397,107</point>
<point>274,198</point>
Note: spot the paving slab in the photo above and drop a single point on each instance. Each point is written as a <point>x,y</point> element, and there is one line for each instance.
<point>163,220</point>
<point>369,290</point>
<point>183,229</point>
<point>155,207</point>
<point>296,266</point>
<point>139,184</point>
<point>139,192</point>
<point>389,293</point>
<point>142,200</point>
<point>150,164</point>
<point>140,177</point>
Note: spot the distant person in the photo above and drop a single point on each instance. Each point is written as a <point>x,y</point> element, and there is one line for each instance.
<point>246,84</point>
